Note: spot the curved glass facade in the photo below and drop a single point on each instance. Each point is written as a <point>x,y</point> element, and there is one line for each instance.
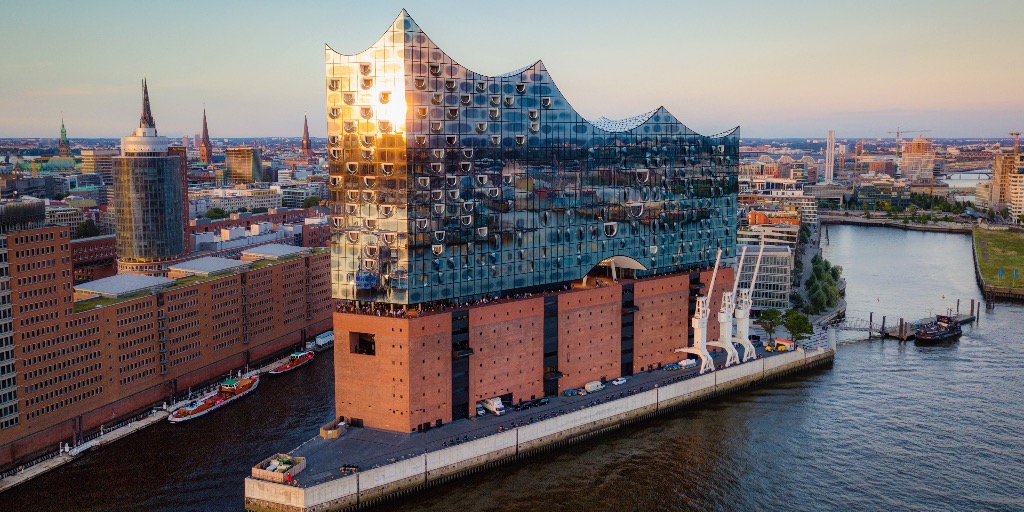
<point>447,184</point>
<point>148,194</point>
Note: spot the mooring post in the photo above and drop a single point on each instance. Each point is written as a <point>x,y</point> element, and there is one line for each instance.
<point>882,332</point>
<point>871,323</point>
<point>958,307</point>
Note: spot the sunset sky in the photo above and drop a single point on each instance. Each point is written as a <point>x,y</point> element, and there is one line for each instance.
<point>777,69</point>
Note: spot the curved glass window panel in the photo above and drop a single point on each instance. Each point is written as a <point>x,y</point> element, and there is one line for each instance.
<point>565,190</point>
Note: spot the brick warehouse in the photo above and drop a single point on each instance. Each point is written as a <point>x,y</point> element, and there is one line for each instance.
<point>435,367</point>
<point>83,360</point>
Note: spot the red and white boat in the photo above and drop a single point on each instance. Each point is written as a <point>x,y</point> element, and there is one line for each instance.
<point>296,360</point>
<point>230,390</point>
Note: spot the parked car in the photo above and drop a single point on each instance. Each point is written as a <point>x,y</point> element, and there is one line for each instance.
<point>619,381</point>
<point>543,401</point>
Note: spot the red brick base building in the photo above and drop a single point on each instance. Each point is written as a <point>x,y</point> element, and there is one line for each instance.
<point>402,373</point>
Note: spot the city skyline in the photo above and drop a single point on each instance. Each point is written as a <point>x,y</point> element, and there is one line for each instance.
<point>860,69</point>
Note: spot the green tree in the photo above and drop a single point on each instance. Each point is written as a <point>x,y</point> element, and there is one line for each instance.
<point>260,209</point>
<point>798,325</point>
<point>87,229</point>
<point>311,202</point>
<point>243,210</point>
<point>796,299</point>
<point>837,272</point>
<point>771,319</point>
<point>216,213</point>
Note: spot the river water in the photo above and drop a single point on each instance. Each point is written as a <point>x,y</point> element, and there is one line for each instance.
<point>890,426</point>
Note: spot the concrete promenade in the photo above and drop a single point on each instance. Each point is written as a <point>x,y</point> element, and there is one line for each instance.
<point>413,462</point>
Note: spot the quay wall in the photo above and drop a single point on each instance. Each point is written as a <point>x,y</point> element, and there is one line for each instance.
<point>371,487</point>
<point>896,223</point>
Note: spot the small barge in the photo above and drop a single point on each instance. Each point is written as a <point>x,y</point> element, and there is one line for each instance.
<point>230,390</point>
<point>944,329</point>
<point>296,360</point>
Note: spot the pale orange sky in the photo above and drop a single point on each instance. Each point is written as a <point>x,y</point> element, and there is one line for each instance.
<point>778,69</point>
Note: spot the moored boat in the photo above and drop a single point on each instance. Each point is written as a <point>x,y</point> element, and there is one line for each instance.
<point>296,360</point>
<point>228,391</point>
<point>944,328</point>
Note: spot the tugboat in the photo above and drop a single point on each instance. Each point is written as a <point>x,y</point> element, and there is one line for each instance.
<point>230,390</point>
<point>944,328</point>
<point>298,359</point>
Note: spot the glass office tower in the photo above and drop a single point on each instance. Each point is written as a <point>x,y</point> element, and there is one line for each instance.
<point>446,184</point>
<point>148,196</point>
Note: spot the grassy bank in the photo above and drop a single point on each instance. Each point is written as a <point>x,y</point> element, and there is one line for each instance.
<point>1000,249</point>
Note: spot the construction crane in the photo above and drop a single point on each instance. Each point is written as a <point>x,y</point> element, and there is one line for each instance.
<point>858,155</point>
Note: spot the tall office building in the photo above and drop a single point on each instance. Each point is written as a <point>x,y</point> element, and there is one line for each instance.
<point>449,187</point>
<point>918,161</point>
<point>307,148</point>
<point>205,146</point>
<point>184,141</point>
<point>244,164</point>
<point>149,192</point>
<point>101,162</point>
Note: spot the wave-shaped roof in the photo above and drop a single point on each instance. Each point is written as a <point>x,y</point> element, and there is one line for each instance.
<point>411,28</point>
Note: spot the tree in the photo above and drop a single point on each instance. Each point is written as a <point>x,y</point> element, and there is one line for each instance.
<point>260,209</point>
<point>798,325</point>
<point>311,202</point>
<point>771,319</point>
<point>216,213</point>
<point>837,272</point>
<point>243,210</point>
<point>87,229</point>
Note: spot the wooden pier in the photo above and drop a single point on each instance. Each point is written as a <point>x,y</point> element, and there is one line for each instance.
<point>901,329</point>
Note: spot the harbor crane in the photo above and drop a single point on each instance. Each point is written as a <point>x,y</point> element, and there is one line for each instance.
<point>725,314</point>
<point>744,301</point>
<point>700,325</point>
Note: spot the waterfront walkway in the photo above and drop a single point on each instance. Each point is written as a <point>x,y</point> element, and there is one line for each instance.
<point>367,448</point>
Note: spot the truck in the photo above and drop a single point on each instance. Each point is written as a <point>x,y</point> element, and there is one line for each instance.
<point>494,405</point>
<point>688,363</point>
<point>593,386</point>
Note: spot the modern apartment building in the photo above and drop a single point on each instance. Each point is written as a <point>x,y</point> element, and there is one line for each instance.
<point>244,164</point>
<point>489,241</point>
<point>774,276</point>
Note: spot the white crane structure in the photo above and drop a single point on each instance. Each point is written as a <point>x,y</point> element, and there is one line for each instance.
<point>725,314</point>
<point>700,325</point>
<point>744,300</point>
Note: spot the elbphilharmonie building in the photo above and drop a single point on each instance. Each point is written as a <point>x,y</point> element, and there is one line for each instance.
<point>449,185</point>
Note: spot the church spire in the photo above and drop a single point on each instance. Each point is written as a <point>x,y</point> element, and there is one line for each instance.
<point>206,131</point>
<point>205,146</point>
<point>307,149</point>
<point>147,116</point>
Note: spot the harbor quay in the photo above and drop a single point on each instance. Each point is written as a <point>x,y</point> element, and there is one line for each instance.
<point>355,470</point>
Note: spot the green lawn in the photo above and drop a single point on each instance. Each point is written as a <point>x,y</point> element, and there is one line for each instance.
<point>1000,249</point>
